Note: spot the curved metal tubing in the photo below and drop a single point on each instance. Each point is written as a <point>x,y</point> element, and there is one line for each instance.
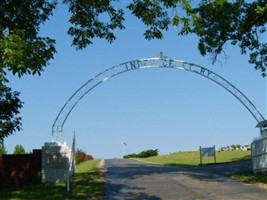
<point>155,62</point>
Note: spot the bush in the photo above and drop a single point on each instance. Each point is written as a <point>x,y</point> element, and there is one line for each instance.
<point>134,155</point>
<point>19,149</point>
<point>89,157</point>
<point>143,154</point>
<point>149,153</point>
<point>2,149</point>
<point>81,156</point>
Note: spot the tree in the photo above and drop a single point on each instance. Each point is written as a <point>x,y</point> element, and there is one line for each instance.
<point>216,23</point>
<point>19,149</point>
<point>220,22</point>
<point>2,149</point>
<point>9,108</point>
<point>22,52</point>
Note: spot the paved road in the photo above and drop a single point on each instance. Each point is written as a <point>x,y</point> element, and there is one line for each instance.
<point>129,179</point>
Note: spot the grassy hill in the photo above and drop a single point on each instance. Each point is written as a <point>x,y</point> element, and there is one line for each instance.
<point>193,157</point>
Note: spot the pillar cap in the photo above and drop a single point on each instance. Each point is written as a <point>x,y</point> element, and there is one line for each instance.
<point>262,124</point>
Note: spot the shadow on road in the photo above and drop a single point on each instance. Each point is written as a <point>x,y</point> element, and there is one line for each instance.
<point>122,173</point>
<point>121,191</point>
<point>130,179</point>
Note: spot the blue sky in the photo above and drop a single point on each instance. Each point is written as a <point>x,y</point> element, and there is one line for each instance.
<point>171,110</point>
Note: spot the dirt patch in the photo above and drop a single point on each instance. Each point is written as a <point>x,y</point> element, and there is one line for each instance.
<point>102,170</point>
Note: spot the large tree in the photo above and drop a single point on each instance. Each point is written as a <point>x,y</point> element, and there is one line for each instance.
<point>235,22</point>
<point>22,51</point>
<point>217,23</point>
<point>9,105</point>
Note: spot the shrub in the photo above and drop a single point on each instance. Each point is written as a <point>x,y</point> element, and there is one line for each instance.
<point>19,149</point>
<point>148,153</point>
<point>2,149</point>
<point>143,154</point>
<point>89,157</point>
<point>81,156</point>
<point>134,155</point>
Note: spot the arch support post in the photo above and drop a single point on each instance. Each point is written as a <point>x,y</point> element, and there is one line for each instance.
<point>259,150</point>
<point>263,128</point>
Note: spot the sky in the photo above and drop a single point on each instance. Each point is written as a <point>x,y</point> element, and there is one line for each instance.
<point>166,109</point>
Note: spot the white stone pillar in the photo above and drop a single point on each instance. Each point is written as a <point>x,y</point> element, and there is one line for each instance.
<point>55,162</point>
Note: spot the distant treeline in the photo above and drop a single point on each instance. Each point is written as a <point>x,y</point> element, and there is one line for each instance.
<point>143,154</point>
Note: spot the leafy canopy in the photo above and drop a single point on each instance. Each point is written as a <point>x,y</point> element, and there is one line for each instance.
<point>216,22</point>
<point>22,50</point>
<point>220,22</point>
<point>9,105</point>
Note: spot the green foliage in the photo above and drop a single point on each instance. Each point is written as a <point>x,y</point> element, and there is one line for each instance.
<point>133,155</point>
<point>80,156</point>
<point>86,21</point>
<point>216,22</point>
<point>19,149</point>
<point>143,154</point>
<point>2,149</point>
<point>148,153</point>
<point>153,15</point>
<point>22,50</point>
<point>9,109</point>
<point>220,22</point>
<point>251,178</point>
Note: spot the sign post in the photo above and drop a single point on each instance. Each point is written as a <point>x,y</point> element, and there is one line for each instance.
<point>207,152</point>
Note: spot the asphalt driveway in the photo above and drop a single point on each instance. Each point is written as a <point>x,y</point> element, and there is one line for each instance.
<point>129,179</point>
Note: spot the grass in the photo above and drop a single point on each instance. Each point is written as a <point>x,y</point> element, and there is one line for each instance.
<point>257,179</point>
<point>192,158</point>
<point>87,184</point>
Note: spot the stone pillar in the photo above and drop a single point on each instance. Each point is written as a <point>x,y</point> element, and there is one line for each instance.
<point>259,155</point>
<point>259,150</point>
<point>55,162</point>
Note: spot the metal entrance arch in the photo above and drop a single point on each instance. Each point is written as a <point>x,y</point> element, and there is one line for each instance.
<point>154,62</point>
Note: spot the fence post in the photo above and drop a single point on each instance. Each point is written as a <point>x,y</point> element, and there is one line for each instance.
<point>71,167</point>
<point>214,154</point>
<point>200,155</point>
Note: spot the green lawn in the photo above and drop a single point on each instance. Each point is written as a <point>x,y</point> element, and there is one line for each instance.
<point>251,178</point>
<point>88,183</point>
<point>193,158</point>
